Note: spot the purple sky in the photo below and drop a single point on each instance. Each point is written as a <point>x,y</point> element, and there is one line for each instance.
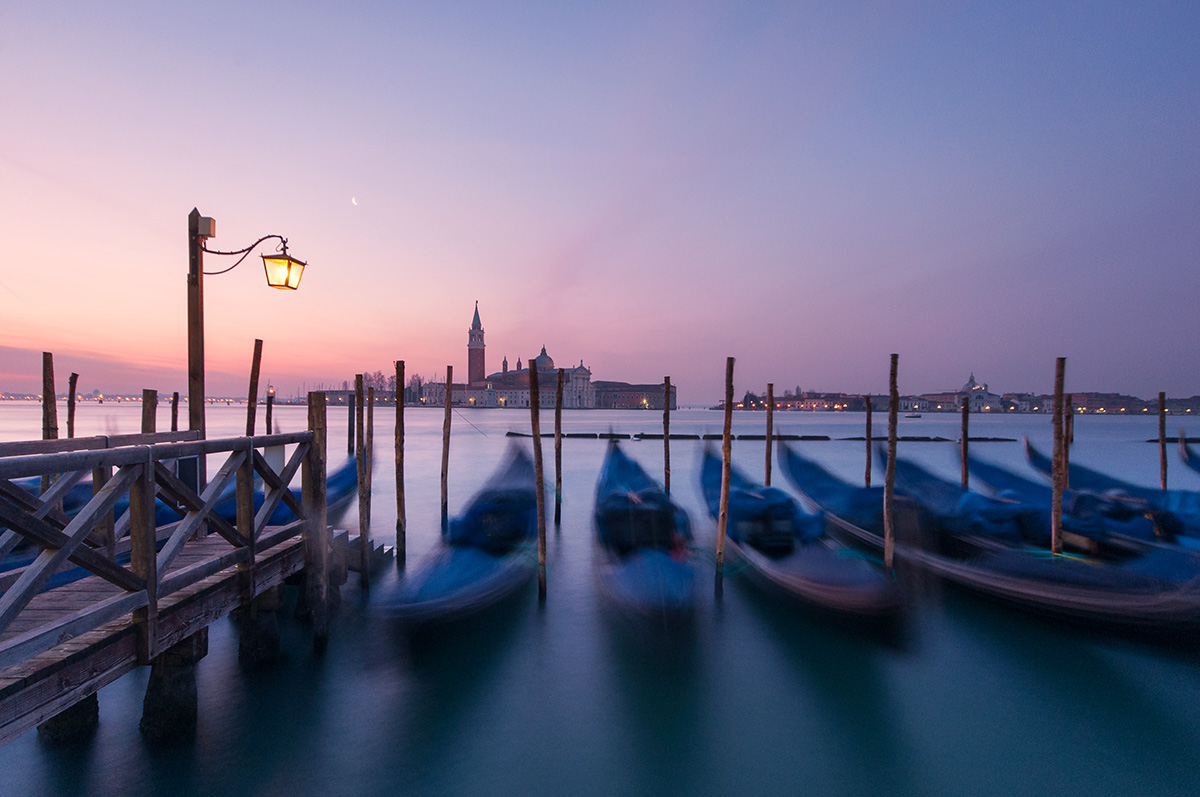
<point>807,187</point>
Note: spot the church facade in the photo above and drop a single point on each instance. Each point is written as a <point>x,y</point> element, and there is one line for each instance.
<point>510,387</point>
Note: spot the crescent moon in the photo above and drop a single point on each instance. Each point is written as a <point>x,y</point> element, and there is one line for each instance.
<point>353,201</point>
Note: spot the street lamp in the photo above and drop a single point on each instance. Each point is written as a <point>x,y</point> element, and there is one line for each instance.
<point>283,272</point>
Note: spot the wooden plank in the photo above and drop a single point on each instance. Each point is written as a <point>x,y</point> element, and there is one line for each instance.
<point>278,486</point>
<point>52,538</point>
<point>143,561</point>
<point>203,513</point>
<point>29,447</point>
<point>89,618</point>
<point>44,697</point>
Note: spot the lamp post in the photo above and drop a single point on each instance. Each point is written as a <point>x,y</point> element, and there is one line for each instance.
<point>283,271</point>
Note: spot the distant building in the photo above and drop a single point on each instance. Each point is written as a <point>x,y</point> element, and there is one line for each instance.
<point>979,399</point>
<point>510,387</point>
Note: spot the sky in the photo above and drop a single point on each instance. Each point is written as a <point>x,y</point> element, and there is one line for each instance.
<point>644,187</point>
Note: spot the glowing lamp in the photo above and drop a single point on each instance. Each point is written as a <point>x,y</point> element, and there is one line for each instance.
<point>283,270</point>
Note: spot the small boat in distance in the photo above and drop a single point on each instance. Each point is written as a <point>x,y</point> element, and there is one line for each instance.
<point>486,554</point>
<point>642,546</point>
<point>787,552</point>
<point>912,415</point>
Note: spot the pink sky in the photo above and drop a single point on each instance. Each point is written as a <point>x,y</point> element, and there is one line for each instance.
<point>978,188</point>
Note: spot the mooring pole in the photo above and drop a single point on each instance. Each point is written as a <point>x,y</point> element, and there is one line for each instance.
<point>313,496</point>
<point>364,486</point>
<point>867,477</point>
<point>401,519</point>
<point>558,400</point>
<point>350,425</point>
<point>446,452</point>
<point>72,381</point>
<point>889,479</point>
<point>770,428</point>
<point>965,438</point>
<point>49,403</point>
<point>149,411</point>
<point>1058,477</point>
<point>667,434</point>
<point>1162,439</point>
<point>535,397</point>
<point>1068,437</point>
<point>726,465</point>
<point>252,401</point>
<point>49,407</point>
<point>270,406</point>
<point>175,411</point>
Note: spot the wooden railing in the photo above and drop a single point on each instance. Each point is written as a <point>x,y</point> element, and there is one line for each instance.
<point>114,534</point>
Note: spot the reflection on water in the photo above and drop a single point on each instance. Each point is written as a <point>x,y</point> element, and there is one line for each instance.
<point>755,697</point>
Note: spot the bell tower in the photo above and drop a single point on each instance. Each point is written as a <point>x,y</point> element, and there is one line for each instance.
<point>476,368</point>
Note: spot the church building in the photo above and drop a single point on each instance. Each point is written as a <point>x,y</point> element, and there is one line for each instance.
<point>510,387</point>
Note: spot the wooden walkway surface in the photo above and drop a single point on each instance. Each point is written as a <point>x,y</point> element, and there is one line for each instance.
<point>40,687</point>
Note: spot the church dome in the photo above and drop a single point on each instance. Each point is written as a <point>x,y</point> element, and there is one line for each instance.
<point>543,362</point>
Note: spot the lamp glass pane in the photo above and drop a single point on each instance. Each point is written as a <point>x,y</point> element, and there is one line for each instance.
<point>283,272</point>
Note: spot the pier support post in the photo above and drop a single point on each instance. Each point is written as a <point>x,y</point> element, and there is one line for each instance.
<point>72,724</point>
<point>169,708</point>
<point>317,532</point>
<point>258,627</point>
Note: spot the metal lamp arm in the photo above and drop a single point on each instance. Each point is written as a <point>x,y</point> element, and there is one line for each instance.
<point>243,252</point>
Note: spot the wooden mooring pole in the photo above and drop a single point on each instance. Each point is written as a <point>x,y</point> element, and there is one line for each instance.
<point>1162,439</point>
<point>889,479</point>
<point>49,403</point>
<point>726,465</point>
<point>364,534</point>
<point>770,428</point>
<point>446,450</point>
<point>667,434</point>
<point>72,381</point>
<point>401,519</point>
<point>1068,437</point>
<point>252,401</point>
<point>535,396</point>
<point>558,400</point>
<point>350,426</point>
<point>364,484</point>
<point>49,407</point>
<point>964,437</point>
<point>149,411</point>
<point>1057,475</point>
<point>867,475</point>
<point>270,407</point>
<point>175,411</point>
<point>314,498</point>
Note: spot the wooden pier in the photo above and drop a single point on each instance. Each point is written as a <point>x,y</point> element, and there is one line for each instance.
<point>134,590</point>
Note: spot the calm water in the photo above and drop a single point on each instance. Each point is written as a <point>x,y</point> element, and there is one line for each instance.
<point>558,699</point>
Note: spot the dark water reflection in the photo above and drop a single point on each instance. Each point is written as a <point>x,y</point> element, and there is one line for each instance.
<point>754,698</point>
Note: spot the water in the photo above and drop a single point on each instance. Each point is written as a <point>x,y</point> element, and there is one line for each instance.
<point>560,699</point>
